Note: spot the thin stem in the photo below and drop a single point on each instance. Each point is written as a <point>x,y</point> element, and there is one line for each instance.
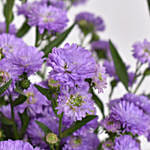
<point>13,119</point>
<point>60,124</point>
<point>139,84</point>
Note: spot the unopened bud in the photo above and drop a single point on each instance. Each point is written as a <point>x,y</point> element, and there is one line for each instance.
<point>52,138</point>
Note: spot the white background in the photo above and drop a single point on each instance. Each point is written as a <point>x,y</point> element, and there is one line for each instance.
<point>126,21</point>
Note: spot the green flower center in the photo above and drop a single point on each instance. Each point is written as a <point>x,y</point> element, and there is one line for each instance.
<point>147,51</point>
<point>76,100</point>
<point>52,138</point>
<point>32,100</point>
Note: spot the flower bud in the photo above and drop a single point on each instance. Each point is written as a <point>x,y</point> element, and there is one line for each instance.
<point>51,138</point>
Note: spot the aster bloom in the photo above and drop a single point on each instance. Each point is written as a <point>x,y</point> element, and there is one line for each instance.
<point>76,104</point>
<point>35,102</point>
<point>89,142</point>
<point>48,17</point>
<point>12,28</point>
<point>71,65</point>
<point>131,117</point>
<point>25,60</point>
<point>99,79</point>
<point>101,47</point>
<point>141,51</point>
<point>88,22</point>
<point>9,43</point>
<point>16,145</point>
<point>110,125</point>
<point>126,142</point>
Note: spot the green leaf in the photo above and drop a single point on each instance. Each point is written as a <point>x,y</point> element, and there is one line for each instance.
<point>5,120</point>
<point>98,102</point>
<point>120,67</point>
<point>5,87</point>
<point>24,29</point>
<point>8,13</point>
<point>59,40</point>
<point>3,101</point>
<point>77,125</point>
<point>44,128</point>
<point>20,100</point>
<point>24,121</point>
<point>113,85</point>
<point>147,72</point>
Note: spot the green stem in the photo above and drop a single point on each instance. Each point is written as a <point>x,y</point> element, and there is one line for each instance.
<point>139,84</point>
<point>148,2</point>
<point>13,119</point>
<point>60,124</point>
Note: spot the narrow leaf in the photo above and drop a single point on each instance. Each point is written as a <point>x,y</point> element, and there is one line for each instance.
<point>20,100</point>
<point>5,87</point>
<point>44,128</point>
<point>24,29</point>
<point>98,102</point>
<point>59,40</point>
<point>24,121</point>
<point>77,125</point>
<point>120,67</point>
<point>5,120</point>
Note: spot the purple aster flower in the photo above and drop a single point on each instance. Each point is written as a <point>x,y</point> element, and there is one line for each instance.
<point>99,79</point>
<point>9,43</point>
<point>88,20</point>
<point>132,118</point>
<point>48,17</point>
<point>110,125</point>
<point>16,145</point>
<point>25,60</point>
<point>141,51</point>
<point>35,102</point>
<point>101,45</point>
<point>89,142</point>
<point>126,142</point>
<point>12,28</point>
<point>76,104</point>
<point>71,65</point>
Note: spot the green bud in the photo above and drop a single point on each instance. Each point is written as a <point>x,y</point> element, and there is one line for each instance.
<point>52,138</point>
<point>25,83</point>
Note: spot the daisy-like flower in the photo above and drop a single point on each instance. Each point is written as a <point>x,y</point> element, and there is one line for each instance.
<point>131,117</point>
<point>89,142</point>
<point>126,142</point>
<point>99,79</point>
<point>89,23</point>
<point>16,145</point>
<point>12,28</point>
<point>71,65</point>
<point>76,104</point>
<point>141,51</point>
<point>48,18</point>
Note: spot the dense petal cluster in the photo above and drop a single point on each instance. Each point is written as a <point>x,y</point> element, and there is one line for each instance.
<point>86,19</point>
<point>131,117</point>
<point>16,145</point>
<point>71,65</point>
<point>141,51</point>
<point>126,142</point>
<point>12,28</point>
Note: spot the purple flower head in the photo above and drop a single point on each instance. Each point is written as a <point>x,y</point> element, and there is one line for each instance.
<point>35,102</point>
<point>71,65</point>
<point>110,125</point>
<point>102,46</point>
<point>126,142</point>
<point>12,28</point>
<point>25,60</point>
<point>9,44</point>
<point>141,51</point>
<point>87,21</point>
<point>89,142</point>
<point>99,79</point>
<point>75,104</point>
<point>132,118</point>
<point>16,145</point>
<point>48,17</point>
